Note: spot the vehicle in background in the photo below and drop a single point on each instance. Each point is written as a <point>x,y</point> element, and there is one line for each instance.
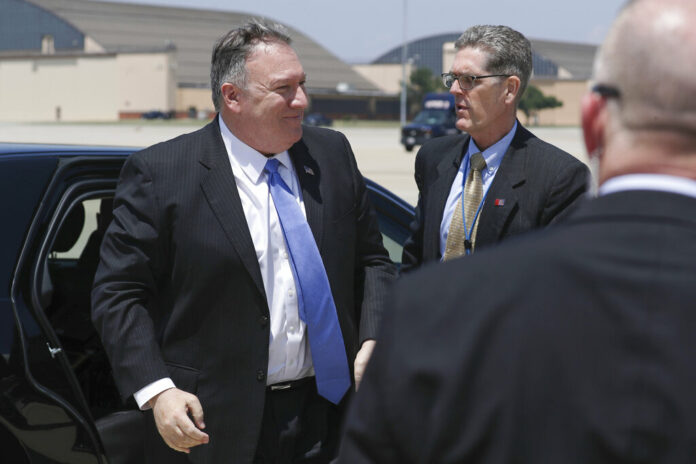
<point>317,119</point>
<point>58,400</point>
<point>436,118</point>
<point>156,114</point>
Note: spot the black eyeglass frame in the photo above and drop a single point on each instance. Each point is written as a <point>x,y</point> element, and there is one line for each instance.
<point>458,78</point>
<point>606,91</point>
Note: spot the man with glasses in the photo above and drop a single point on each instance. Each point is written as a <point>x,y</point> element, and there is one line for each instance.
<point>576,345</point>
<point>499,179</point>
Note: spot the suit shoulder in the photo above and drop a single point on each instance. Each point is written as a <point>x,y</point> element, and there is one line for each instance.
<point>445,142</point>
<point>321,134</point>
<point>434,149</point>
<point>177,149</point>
<point>546,150</point>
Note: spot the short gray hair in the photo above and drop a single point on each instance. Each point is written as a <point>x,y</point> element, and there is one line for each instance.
<point>228,63</point>
<point>509,52</point>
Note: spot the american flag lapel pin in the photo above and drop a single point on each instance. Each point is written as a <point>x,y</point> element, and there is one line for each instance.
<point>308,170</point>
<point>500,202</point>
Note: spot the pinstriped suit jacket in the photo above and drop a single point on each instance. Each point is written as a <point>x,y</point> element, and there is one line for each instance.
<point>179,292</point>
<point>538,182</point>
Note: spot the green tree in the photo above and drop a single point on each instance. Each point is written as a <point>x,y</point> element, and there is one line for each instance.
<point>421,81</point>
<point>534,101</point>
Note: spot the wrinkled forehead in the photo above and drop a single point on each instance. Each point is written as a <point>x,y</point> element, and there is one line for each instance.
<point>274,59</point>
<point>470,60</point>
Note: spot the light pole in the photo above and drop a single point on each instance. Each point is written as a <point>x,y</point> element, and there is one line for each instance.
<point>404,54</point>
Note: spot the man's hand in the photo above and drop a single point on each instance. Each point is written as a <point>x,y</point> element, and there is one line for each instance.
<point>171,409</point>
<point>361,360</point>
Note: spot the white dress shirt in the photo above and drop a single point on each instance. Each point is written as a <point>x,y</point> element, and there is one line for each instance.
<point>493,156</point>
<point>289,354</point>
<point>657,182</point>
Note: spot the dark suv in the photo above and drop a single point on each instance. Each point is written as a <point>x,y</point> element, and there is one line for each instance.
<point>58,401</point>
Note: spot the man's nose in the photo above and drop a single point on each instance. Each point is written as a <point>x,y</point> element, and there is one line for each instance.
<point>455,88</point>
<point>300,99</point>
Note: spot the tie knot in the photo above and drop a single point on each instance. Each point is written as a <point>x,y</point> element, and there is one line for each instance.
<point>477,162</point>
<point>271,166</point>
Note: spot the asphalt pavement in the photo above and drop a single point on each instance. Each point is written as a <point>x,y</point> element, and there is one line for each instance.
<point>379,154</point>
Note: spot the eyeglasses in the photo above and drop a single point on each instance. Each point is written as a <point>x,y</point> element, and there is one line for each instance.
<point>465,82</point>
<point>607,91</point>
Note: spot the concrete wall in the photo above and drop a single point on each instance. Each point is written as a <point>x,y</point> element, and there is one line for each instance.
<point>191,97</point>
<point>569,92</point>
<point>66,88</point>
<point>146,82</point>
<point>387,77</point>
<point>85,87</point>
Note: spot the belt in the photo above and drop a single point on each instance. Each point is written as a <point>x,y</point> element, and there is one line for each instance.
<point>290,384</point>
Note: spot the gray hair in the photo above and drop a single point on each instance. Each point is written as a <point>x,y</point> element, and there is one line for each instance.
<point>228,63</point>
<point>509,52</point>
<point>648,56</point>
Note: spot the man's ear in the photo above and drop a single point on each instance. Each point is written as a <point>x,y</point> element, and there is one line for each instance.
<point>230,96</point>
<point>593,122</point>
<point>512,88</point>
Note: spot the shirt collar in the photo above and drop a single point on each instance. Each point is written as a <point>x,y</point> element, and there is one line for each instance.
<point>658,182</point>
<point>493,154</point>
<point>251,161</point>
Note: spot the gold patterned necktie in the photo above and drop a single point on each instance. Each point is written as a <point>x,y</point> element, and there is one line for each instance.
<point>472,194</point>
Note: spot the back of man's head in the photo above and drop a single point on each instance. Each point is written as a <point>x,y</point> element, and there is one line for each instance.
<point>640,116</point>
<point>650,57</point>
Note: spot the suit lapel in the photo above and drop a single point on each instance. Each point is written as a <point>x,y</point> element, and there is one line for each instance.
<point>447,170</point>
<point>220,190</point>
<point>309,176</point>
<point>502,198</point>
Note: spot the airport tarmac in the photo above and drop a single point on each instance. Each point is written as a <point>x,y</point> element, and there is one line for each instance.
<point>379,154</point>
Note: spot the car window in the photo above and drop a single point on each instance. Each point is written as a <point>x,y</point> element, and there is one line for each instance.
<point>66,293</point>
<point>393,247</point>
<point>86,224</point>
<point>393,218</point>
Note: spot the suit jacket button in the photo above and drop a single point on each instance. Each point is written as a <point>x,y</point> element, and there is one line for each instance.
<point>263,320</point>
<point>260,375</point>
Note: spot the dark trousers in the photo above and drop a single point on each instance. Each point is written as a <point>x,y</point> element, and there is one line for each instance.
<point>299,426</point>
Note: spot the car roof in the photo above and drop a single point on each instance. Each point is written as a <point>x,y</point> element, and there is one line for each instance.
<point>29,149</point>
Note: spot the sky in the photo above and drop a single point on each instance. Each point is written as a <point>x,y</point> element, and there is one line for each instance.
<point>359,31</point>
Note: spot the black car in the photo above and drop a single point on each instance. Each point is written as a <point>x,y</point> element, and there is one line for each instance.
<point>156,114</point>
<point>317,119</point>
<point>58,401</point>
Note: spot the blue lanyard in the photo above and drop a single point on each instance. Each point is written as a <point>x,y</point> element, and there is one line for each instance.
<point>467,232</point>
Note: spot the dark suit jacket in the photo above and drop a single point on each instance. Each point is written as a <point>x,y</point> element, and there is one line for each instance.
<point>179,292</point>
<point>576,345</point>
<point>537,181</point>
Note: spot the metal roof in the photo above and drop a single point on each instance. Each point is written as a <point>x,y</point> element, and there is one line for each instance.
<point>548,56</point>
<point>576,58</point>
<point>129,27</point>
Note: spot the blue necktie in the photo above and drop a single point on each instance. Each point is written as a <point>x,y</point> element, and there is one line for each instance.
<point>316,304</point>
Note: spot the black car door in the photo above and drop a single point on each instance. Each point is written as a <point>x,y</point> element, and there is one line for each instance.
<point>60,379</point>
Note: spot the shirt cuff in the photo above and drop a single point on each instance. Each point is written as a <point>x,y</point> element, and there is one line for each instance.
<point>148,392</point>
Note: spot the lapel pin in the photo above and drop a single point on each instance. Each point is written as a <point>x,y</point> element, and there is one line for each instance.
<point>500,202</point>
<point>308,170</point>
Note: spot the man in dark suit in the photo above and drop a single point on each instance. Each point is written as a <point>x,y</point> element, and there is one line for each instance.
<point>576,345</point>
<point>243,274</point>
<point>523,183</point>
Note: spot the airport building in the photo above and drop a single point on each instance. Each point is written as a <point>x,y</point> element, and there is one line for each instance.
<point>85,60</point>
<point>74,60</point>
